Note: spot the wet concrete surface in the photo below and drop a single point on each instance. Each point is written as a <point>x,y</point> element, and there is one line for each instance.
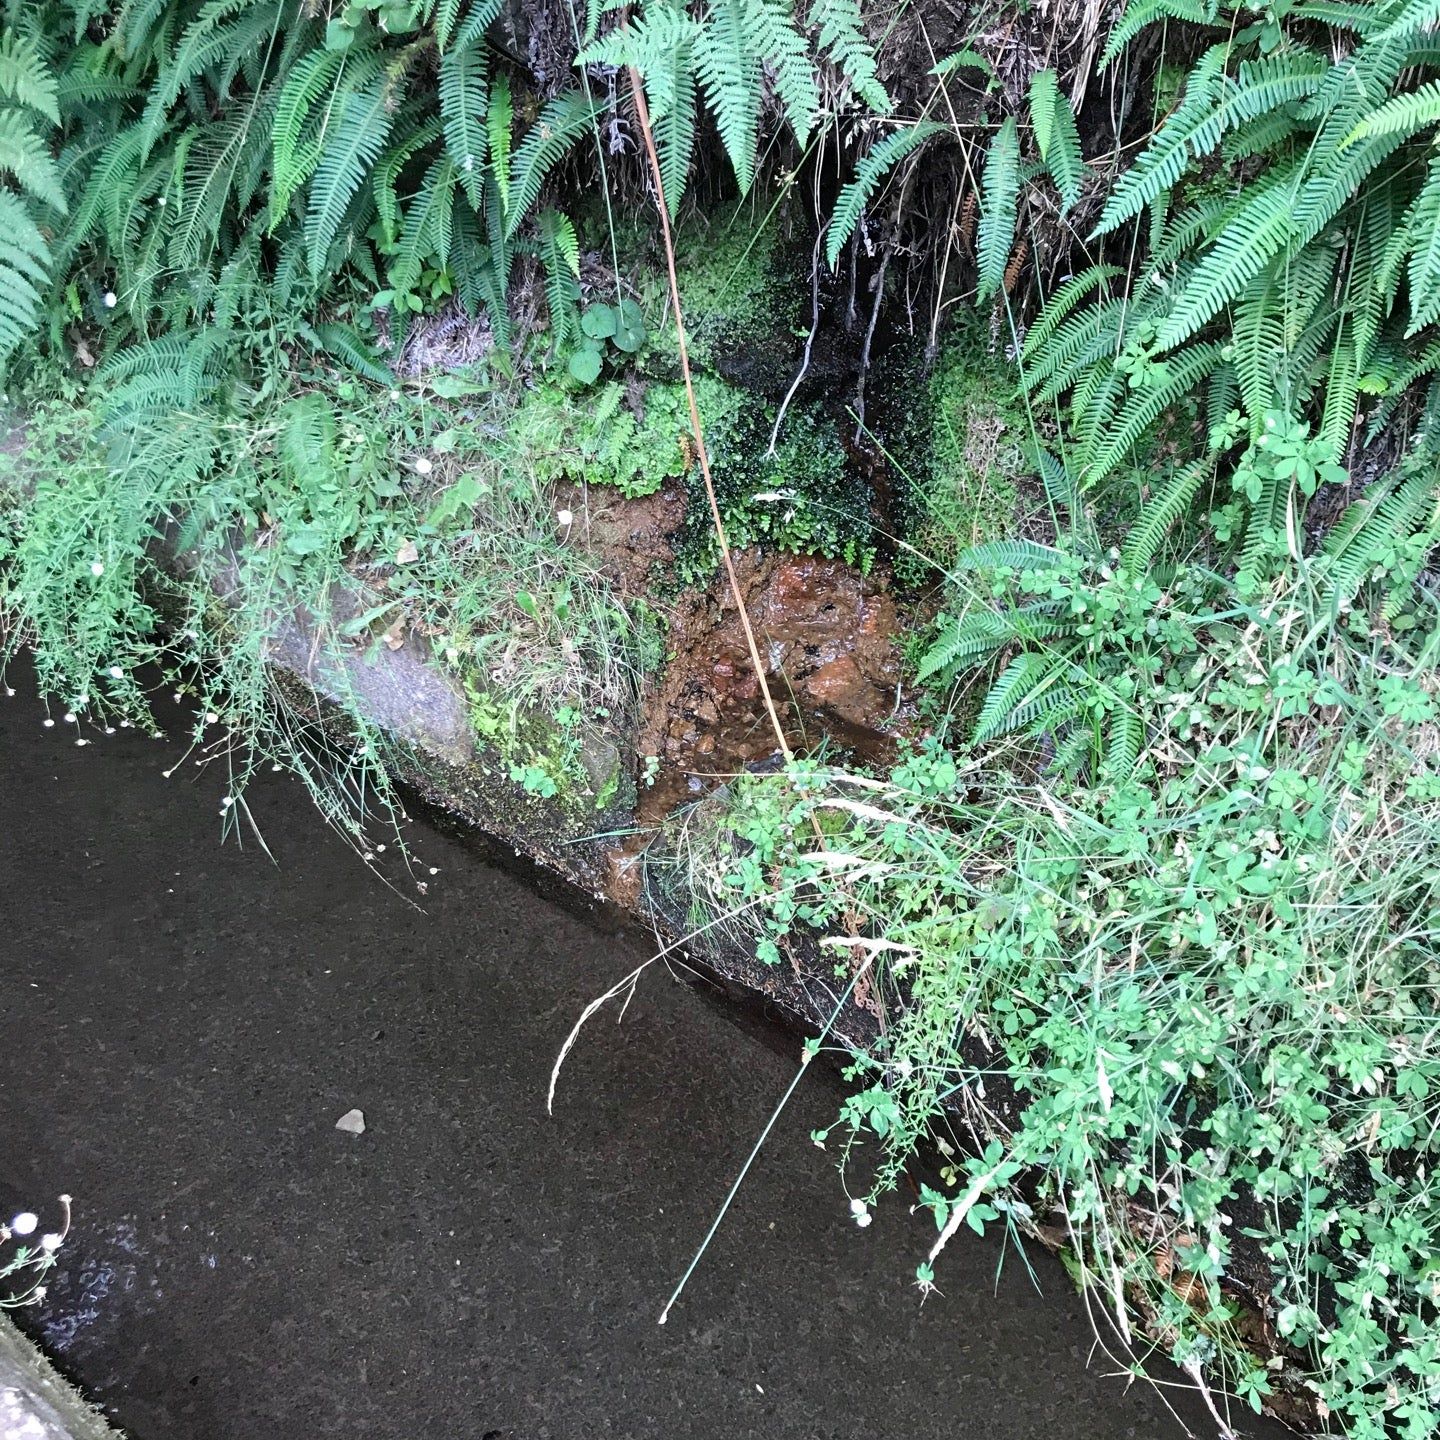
<point>182,1023</point>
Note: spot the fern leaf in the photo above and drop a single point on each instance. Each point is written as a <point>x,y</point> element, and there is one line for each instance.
<point>1402,115</point>
<point>560,257</point>
<point>660,44</point>
<point>499,118</point>
<point>729,71</point>
<point>24,272</point>
<point>778,40</point>
<point>26,157</point>
<point>999,198</point>
<point>1060,304</point>
<point>1146,12</point>
<point>464,95</point>
<point>1056,137</point>
<point>387,174</point>
<point>427,224</point>
<point>354,141</point>
<point>868,174</point>
<point>26,78</point>
<point>1011,554</point>
<point>343,342</point>
<point>1242,250</point>
<point>1342,393</point>
<point>842,37</point>
<point>561,122</point>
<point>290,167</point>
<point>1214,103</point>
<point>1022,684</point>
<point>1423,224</point>
<point>1122,745</point>
<point>1159,515</point>
<point>1185,371</point>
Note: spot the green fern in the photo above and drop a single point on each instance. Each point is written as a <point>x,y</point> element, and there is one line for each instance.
<point>1159,515</point>
<point>464,97</point>
<point>841,36</point>
<point>850,205</point>
<point>24,273</point>
<point>1056,136</point>
<point>351,146</point>
<point>999,197</point>
<point>25,76</point>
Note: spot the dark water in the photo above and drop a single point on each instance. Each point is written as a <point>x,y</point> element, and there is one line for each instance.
<point>182,1023</point>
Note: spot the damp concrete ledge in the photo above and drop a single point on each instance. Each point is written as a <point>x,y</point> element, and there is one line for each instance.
<point>36,1401</point>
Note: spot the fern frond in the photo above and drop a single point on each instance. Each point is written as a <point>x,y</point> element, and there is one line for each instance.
<point>426,231</point>
<point>361,125</point>
<point>26,157</point>
<point>560,258</point>
<point>1214,104</point>
<point>291,167</point>
<point>1060,304</point>
<point>1401,115</point>
<point>1122,745</point>
<point>1342,394</point>
<point>1371,526</point>
<point>1146,12</point>
<point>660,44</point>
<point>777,39</point>
<point>1423,225</point>
<point>561,122</point>
<point>1011,554</point>
<point>868,174</point>
<point>1185,371</point>
<point>1159,515</point>
<point>728,67</point>
<point>1056,136</point>
<point>1243,249</point>
<point>24,273</point>
<point>982,632</point>
<point>464,96</point>
<point>1021,685</point>
<point>387,173</point>
<point>26,77</point>
<point>999,198</point>
<point>842,37</point>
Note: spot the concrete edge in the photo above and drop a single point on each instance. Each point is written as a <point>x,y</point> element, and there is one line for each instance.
<point>36,1401</point>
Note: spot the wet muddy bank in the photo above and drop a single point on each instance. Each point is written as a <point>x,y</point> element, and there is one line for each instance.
<point>183,1024</point>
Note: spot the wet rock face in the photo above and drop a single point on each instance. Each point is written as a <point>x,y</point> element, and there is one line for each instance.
<point>826,636</point>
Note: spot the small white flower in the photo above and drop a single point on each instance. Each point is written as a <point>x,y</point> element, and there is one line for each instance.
<point>69,717</point>
<point>434,870</point>
<point>227,802</point>
<point>161,202</point>
<point>564,518</point>
<point>861,1211</point>
<point>423,465</point>
<point>116,673</point>
<point>39,1292</point>
<point>50,1242</point>
<point>394,394</point>
<point>82,742</point>
<point>24,1223</point>
<point>110,300</point>
<point>48,723</point>
<point>97,569</point>
<point>211,718</point>
<point>109,729</point>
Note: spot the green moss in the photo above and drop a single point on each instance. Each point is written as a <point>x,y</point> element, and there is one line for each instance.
<point>965,457</point>
<point>742,295</point>
<point>807,497</point>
